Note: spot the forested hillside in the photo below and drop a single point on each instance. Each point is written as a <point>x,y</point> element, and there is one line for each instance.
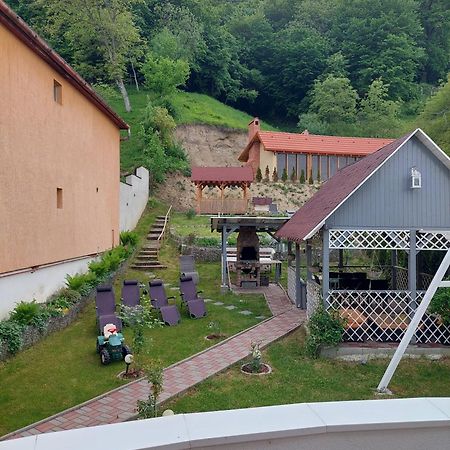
<point>352,67</point>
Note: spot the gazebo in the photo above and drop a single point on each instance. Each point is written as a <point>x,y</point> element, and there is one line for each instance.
<point>222,178</point>
<point>398,200</point>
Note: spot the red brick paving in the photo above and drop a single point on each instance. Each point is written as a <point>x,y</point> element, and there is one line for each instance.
<point>120,404</point>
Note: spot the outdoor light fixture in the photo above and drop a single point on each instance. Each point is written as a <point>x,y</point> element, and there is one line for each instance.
<point>128,360</point>
<point>416,178</point>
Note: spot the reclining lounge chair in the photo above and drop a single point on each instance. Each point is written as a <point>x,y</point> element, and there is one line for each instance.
<point>105,304</point>
<point>189,296</point>
<point>170,314</point>
<point>130,293</point>
<point>187,267</point>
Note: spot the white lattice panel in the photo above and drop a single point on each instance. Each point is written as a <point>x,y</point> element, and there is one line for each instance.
<point>383,316</point>
<point>369,239</point>
<point>433,241</point>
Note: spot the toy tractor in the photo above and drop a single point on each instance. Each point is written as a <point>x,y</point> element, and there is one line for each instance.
<point>110,345</point>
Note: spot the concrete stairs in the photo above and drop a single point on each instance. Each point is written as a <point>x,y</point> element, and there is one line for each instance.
<point>147,258</point>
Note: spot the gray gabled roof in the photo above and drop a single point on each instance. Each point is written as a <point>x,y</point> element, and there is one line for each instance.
<point>333,193</point>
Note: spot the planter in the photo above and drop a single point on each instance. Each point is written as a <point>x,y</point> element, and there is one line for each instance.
<point>247,369</point>
<point>131,375</point>
<point>215,337</point>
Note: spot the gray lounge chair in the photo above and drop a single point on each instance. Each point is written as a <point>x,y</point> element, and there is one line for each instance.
<point>187,267</point>
<point>130,293</point>
<point>170,314</point>
<point>189,296</point>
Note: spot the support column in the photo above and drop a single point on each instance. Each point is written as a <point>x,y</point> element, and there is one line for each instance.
<point>412,271</point>
<point>309,275</point>
<point>198,196</point>
<point>224,260</point>
<point>289,250</point>
<point>325,266</point>
<point>341,259</point>
<point>298,299</point>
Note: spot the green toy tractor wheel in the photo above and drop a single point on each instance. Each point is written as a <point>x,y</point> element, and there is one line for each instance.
<point>125,350</point>
<point>105,357</point>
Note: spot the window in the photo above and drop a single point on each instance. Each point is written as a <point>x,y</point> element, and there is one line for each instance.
<point>57,92</point>
<point>416,178</point>
<point>59,198</point>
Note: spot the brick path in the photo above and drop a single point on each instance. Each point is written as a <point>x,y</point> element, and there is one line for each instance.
<point>120,404</point>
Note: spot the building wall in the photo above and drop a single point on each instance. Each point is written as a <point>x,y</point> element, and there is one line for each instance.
<point>387,200</point>
<point>133,198</point>
<point>45,145</point>
<point>267,159</point>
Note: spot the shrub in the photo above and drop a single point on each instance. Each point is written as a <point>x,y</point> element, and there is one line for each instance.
<point>129,238</point>
<point>324,329</point>
<point>267,175</point>
<point>440,304</point>
<point>275,175</point>
<point>81,282</point>
<point>258,176</point>
<point>284,175</point>
<point>25,312</point>
<point>190,214</point>
<point>293,175</point>
<point>207,241</point>
<point>310,179</point>
<point>154,374</point>
<point>11,334</point>
<point>302,177</point>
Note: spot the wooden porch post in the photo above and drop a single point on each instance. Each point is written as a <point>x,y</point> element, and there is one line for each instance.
<point>309,276</point>
<point>325,266</point>
<point>298,293</point>
<point>221,187</point>
<point>308,167</point>
<point>198,196</point>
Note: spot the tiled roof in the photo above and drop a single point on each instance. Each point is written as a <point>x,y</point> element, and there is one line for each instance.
<point>261,201</point>
<point>22,31</point>
<point>314,144</point>
<point>217,175</point>
<point>334,192</point>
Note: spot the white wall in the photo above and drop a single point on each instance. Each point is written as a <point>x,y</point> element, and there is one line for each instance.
<point>133,198</point>
<point>37,284</point>
<point>400,424</point>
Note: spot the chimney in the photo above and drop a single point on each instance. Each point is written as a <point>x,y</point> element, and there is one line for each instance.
<point>253,128</point>
<point>305,132</point>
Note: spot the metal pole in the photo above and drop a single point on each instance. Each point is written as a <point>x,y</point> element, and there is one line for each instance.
<point>297,275</point>
<point>412,272</point>
<point>309,276</point>
<point>325,266</point>
<point>420,311</point>
<point>224,258</point>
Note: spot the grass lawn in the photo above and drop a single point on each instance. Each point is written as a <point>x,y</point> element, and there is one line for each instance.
<point>297,379</point>
<point>64,370</point>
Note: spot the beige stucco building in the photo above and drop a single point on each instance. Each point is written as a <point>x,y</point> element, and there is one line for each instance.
<point>59,164</point>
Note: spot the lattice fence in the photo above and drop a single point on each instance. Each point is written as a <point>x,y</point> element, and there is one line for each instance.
<point>369,239</point>
<point>313,297</point>
<point>383,316</point>
<point>432,241</point>
<point>402,279</point>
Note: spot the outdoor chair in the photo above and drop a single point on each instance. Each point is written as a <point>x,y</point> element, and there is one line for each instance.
<point>105,305</point>
<point>187,267</point>
<point>130,293</point>
<point>189,296</point>
<point>160,301</point>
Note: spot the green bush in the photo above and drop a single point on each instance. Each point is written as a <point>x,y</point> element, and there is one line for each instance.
<point>207,242</point>
<point>302,177</point>
<point>440,304</point>
<point>324,329</point>
<point>11,334</point>
<point>81,282</point>
<point>258,176</point>
<point>190,214</point>
<point>129,238</point>
<point>25,312</point>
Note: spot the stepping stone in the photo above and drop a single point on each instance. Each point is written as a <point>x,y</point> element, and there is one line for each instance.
<point>174,288</point>
<point>218,303</point>
<point>245,312</point>
<point>207,300</point>
<point>260,317</point>
<point>230,307</point>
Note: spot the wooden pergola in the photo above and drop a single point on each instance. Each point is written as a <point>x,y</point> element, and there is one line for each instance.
<point>222,178</point>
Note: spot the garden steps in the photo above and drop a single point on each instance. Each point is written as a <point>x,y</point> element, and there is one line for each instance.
<point>179,377</point>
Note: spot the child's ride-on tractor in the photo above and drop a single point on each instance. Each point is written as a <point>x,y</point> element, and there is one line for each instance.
<point>110,345</point>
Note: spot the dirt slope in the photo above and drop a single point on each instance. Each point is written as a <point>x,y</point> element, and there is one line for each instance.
<point>207,145</point>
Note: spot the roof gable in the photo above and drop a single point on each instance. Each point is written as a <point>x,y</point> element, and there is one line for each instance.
<point>312,215</point>
<point>225,175</point>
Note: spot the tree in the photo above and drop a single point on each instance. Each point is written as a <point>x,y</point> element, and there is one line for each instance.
<point>284,175</point>
<point>293,175</point>
<point>334,100</point>
<point>267,174</point>
<point>275,175</point>
<point>164,75</point>
<point>302,177</point>
<point>258,176</point>
<point>96,27</point>
<point>310,179</point>
<point>377,113</point>
<point>435,118</point>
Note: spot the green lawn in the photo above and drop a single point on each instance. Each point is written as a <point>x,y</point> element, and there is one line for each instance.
<point>297,379</point>
<point>64,370</point>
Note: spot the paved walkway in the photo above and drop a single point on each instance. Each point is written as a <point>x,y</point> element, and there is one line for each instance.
<point>120,404</point>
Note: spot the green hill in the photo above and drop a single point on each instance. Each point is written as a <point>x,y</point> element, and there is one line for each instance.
<point>187,108</point>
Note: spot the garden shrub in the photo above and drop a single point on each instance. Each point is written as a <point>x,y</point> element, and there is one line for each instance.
<point>190,214</point>
<point>207,241</point>
<point>128,238</point>
<point>258,176</point>
<point>440,304</point>
<point>81,282</point>
<point>24,312</point>
<point>11,334</point>
<point>324,329</point>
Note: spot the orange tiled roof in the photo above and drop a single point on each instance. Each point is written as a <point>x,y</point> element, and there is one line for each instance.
<point>314,144</point>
